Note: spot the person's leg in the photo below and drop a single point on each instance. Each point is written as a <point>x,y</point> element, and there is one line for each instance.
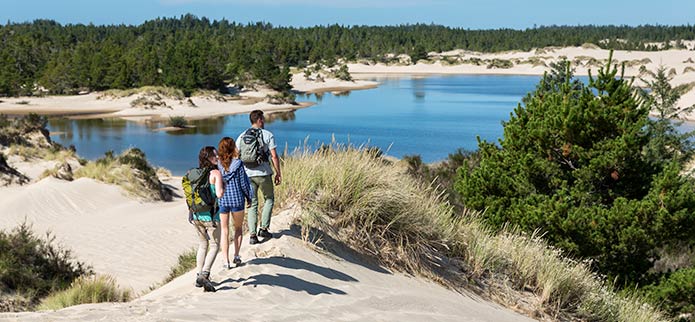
<point>253,211</point>
<point>224,238</point>
<point>202,246</point>
<point>238,218</point>
<point>213,232</point>
<point>267,188</point>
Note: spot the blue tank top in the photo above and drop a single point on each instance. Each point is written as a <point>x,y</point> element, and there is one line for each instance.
<point>206,215</point>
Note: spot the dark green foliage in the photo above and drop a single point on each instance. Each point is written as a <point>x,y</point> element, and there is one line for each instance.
<point>343,73</point>
<point>442,175</point>
<point>574,163</point>
<point>675,293</point>
<point>418,53</point>
<point>190,52</point>
<point>178,121</point>
<point>35,266</point>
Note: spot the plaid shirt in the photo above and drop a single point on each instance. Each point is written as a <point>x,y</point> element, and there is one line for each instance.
<point>237,186</point>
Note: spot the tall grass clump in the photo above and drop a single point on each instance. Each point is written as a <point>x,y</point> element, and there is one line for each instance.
<point>375,207</point>
<point>186,262</point>
<point>165,91</point>
<point>92,289</point>
<point>129,170</point>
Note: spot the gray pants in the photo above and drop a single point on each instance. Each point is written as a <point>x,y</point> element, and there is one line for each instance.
<point>207,236</point>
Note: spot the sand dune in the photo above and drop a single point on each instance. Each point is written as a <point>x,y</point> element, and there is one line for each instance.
<point>283,279</point>
<point>135,242</point>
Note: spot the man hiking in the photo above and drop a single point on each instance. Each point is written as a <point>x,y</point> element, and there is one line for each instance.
<point>257,148</point>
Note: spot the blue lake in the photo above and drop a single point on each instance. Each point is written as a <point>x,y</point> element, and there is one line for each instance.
<point>431,116</point>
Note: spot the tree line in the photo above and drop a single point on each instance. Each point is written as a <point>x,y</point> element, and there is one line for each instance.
<point>190,52</point>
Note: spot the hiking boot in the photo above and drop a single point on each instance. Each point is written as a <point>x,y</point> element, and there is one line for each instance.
<point>204,281</point>
<point>201,278</point>
<point>198,280</point>
<point>253,240</point>
<point>264,233</point>
<point>237,261</point>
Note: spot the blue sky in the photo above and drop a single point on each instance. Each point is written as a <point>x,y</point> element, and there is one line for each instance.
<point>474,14</point>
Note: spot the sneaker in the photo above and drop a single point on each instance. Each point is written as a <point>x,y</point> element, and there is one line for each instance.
<point>253,240</point>
<point>227,265</point>
<point>264,233</point>
<point>237,261</point>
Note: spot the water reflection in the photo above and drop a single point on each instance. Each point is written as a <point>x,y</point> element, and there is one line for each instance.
<point>280,116</point>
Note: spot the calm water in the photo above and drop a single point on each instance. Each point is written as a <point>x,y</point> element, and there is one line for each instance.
<point>430,116</point>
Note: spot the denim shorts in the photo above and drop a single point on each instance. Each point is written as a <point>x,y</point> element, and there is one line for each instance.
<point>226,209</point>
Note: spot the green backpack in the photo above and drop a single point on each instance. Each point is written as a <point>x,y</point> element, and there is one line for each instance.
<point>252,149</point>
<point>196,188</point>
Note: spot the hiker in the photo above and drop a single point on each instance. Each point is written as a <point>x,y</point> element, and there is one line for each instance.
<point>206,223</point>
<point>236,190</point>
<point>257,147</point>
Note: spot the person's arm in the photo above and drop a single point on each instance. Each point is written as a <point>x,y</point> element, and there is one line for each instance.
<point>216,177</point>
<point>245,185</point>
<point>276,166</point>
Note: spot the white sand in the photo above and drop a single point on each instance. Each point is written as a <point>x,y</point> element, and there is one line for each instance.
<point>283,280</point>
<point>135,242</point>
<point>90,106</point>
<point>300,83</point>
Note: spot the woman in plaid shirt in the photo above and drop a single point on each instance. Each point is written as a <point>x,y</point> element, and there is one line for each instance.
<point>237,189</point>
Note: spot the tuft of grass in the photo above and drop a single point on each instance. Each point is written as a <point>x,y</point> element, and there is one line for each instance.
<point>187,262</point>
<point>55,153</point>
<point>130,170</point>
<point>22,103</point>
<point>92,289</point>
<point>375,207</point>
<point>178,121</point>
<point>147,90</point>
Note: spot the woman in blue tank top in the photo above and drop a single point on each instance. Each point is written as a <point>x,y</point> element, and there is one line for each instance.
<point>207,224</point>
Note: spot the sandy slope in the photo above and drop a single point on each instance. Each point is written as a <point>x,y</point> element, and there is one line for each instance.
<point>284,280</point>
<point>135,242</point>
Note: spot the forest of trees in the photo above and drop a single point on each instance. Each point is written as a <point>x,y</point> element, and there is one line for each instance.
<point>191,52</point>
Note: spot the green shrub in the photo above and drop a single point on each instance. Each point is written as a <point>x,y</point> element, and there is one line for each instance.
<point>178,121</point>
<point>92,289</point>
<point>35,266</point>
<point>675,293</point>
<point>343,73</point>
<point>574,162</point>
<point>500,63</point>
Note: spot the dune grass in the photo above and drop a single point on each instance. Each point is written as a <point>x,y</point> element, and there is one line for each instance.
<point>55,153</point>
<point>170,92</point>
<point>187,262</point>
<point>92,289</point>
<point>374,207</point>
<point>130,170</point>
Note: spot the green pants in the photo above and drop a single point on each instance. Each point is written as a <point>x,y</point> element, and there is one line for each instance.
<point>265,183</point>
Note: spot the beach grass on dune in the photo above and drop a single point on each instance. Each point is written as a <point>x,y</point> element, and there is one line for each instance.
<point>373,206</point>
<point>92,289</point>
<point>147,90</point>
<point>186,262</point>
